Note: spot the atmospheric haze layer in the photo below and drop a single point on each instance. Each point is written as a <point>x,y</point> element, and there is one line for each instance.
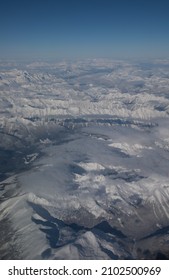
<point>84,160</point>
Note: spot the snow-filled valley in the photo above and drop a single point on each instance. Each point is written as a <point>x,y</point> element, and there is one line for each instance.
<point>84,160</point>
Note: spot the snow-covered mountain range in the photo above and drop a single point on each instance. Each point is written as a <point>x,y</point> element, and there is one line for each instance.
<point>84,168</point>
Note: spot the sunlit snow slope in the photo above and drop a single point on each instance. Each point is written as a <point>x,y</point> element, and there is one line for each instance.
<point>84,160</point>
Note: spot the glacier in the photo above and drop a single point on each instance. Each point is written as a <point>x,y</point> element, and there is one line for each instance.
<point>84,148</point>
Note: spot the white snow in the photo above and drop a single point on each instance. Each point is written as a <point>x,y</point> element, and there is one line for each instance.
<point>102,129</point>
<point>130,149</point>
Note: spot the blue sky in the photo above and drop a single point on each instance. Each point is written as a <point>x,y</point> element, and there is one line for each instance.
<point>84,28</point>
